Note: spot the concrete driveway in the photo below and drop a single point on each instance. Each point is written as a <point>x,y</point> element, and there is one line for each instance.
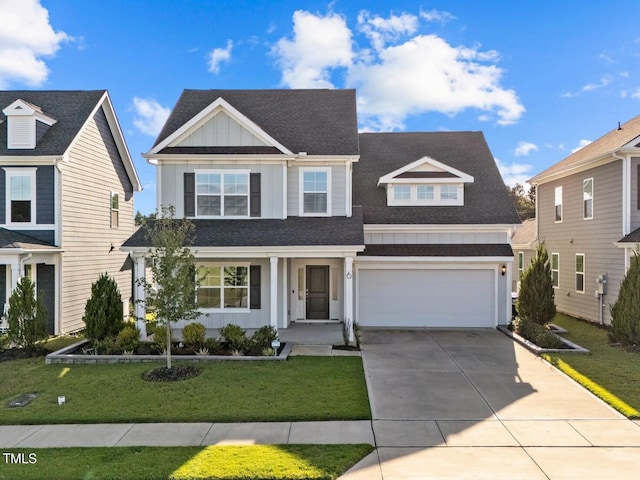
<point>434,394</point>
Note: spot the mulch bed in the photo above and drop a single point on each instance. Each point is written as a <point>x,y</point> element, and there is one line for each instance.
<point>173,374</point>
<point>20,353</point>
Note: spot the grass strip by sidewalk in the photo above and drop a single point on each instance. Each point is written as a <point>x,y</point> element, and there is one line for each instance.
<point>624,408</point>
<point>300,389</point>
<point>610,372</point>
<point>264,462</point>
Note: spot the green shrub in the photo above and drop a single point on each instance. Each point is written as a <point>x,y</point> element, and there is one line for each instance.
<point>214,346</point>
<point>27,316</point>
<point>625,312</point>
<point>160,337</point>
<point>263,337</point>
<point>193,335</point>
<point>536,296</point>
<point>128,338</point>
<point>4,341</point>
<point>234,336</point>
<point>537,334</point>
<point>106,346</point>
<point>103,311</point>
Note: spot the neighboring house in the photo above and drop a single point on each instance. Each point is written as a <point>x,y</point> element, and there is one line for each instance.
<point>524,243</point>
<point>588,216</point>
<point>66,199</point>
<point>299,218</point>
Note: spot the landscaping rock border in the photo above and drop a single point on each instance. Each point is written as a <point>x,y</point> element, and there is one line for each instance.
<point>572,347</point>
<point>63,356</point>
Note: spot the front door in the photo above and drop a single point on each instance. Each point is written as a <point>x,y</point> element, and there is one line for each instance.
<point>317,294</point>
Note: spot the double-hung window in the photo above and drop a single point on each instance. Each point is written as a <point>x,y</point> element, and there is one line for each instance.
<point>223,286</point>
<point>520,265</point>
<point>315,185</point>
<point>21,195</point>
<point>558,204</point>
<point>555,269</point>
<point>115,210</point>
<point>580,272</point>
<point>222,194</point>
<point>587,198</point>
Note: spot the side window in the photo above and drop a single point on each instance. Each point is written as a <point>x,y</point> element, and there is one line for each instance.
<point>587,198</point>
<point>115,210</point>
<point>558,204</point>
<point>555,269</point>
<point>580,267</point>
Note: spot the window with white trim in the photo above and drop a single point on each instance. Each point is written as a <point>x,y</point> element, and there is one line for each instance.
<point>425,192</point>
<point>520,265</point>
<point>21,195</point>
<point>115,210</point>
<point>558,204</point>
<point>580,267</point>
<point>402,192</point>
<point>223,286</point>
<point>448,192</point>
<point>555,269</point>
<point>587,198</point>
<point>222,194</point>
<point>315,188</point>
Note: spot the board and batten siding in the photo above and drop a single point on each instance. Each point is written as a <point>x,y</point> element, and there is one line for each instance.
<point>338,187</point>
<point>93,171</point>
<point>220,131</point>
<point>413,238</point>
<point>594,238</point>
<point>271,184</point>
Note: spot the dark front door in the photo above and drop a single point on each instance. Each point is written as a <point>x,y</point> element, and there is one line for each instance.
<point>317,292</point>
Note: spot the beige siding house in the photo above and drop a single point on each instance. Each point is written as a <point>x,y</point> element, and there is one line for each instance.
<point>81,201</point>
<point>588,216</point>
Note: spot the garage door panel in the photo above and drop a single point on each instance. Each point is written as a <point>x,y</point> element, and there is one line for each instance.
<point>426,298</point>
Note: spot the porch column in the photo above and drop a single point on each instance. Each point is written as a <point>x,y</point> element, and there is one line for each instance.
<point>139,298</point>
<point>273,292</point>
<point>348,296</point>
<point>15,274</point>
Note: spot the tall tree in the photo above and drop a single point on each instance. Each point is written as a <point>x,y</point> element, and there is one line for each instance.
<point>625,312</point>
<point>172,290</point>
<point>524,200</point>
<point>536,300</point>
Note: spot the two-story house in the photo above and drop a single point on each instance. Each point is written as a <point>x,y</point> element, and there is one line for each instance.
<point>299,218</point>
<point>66,199</point>
<point>588,216</point>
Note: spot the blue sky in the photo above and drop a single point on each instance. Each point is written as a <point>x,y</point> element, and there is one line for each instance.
<point>540,79</point>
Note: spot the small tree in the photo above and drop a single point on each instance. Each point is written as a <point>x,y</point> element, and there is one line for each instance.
<point>103,315</point>
<point>536,297</point>
<point>27,316</point>
<point>173,271</point>
<point>625,312</point>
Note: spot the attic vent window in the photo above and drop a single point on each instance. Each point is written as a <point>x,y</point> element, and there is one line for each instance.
<point>19,133</point>
<point>22,118</point>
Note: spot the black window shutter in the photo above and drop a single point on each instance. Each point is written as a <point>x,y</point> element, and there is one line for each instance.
<point>254,287</point>
<point>254,195</point>
<point>189,194</point>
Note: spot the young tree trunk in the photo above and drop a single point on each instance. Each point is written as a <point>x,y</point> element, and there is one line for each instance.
<point>168,345</point>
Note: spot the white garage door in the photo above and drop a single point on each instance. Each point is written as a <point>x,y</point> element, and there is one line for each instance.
<point>426,298</point>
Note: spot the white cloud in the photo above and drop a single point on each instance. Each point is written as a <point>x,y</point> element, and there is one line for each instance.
<point>636,93</point>
<point>319,44</point>
<point>436,16</point>
<point>583,143</point>
<point>150,115</point>
<point>219,55</point>
<point>604,81</point>
<point>400,73</point>
<point>26,36</point>
<point>514,173</point>
<point>525,148</point>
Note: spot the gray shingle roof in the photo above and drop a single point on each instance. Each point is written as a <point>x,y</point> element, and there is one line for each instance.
<point>438,250</point>
<point>486,201</point>
<point>633,237</point>
<point>292,231</point>
<point>13,239</point>
<point>70,108</point>
<point>319,122</point>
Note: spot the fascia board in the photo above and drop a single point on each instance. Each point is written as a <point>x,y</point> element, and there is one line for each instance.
<point>578,167</point>
<point>263,252</point>
<point>410,228</point>
<point>450,261</point>
<point>30,160</point>
<point>219,105</point>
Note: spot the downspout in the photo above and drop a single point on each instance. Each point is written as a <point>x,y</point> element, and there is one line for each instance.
<point>626,192</point>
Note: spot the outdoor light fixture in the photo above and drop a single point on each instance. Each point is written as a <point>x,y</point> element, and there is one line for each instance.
<point>503,270</point>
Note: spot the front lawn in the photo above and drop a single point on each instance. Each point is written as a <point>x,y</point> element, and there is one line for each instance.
<point>300,389</point>
<point>613,369</point>
<point>320,462</point>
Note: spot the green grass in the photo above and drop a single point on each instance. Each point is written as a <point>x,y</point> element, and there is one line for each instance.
<point>300,389</point>
<point>611,373</point>
<point>186,463</point>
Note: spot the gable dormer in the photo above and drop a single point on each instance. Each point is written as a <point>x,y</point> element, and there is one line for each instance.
<point>425,182</point>
<point>26,124</point>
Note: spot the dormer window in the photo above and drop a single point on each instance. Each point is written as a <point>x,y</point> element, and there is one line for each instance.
<point>425,182</point>
<point>26,124</point>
